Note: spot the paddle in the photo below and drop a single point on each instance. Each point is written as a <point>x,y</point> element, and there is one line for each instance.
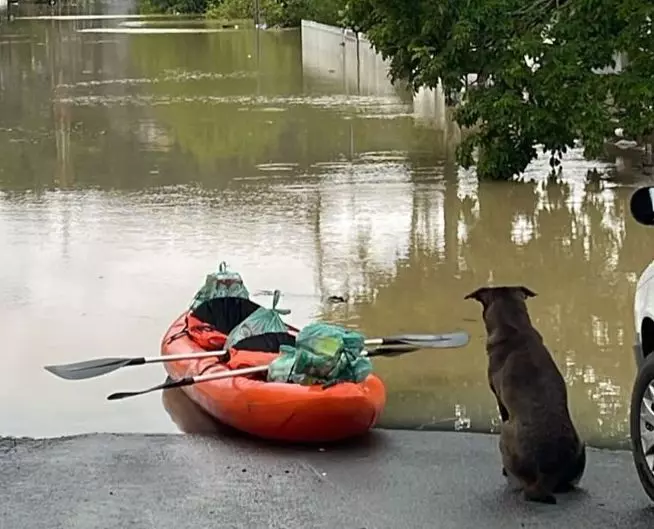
<point>103,366</point>
<point>449,340</point>
<point>188,381</point>
<point>426,341</point>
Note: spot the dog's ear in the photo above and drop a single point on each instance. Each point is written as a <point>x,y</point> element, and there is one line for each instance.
<point>528,293</point>
<point>477,294</point>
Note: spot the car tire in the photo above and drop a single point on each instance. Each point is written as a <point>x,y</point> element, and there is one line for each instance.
<point>642,395</point>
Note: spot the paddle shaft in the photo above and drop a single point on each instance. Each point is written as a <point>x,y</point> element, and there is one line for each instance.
<point>191,356</point>
<point>187,381</point>
<point>456,339</point>
<point>375,342</point>
<point>174,358</point>
<point>418,340</point>
<point>412,341</point>
<point>261,369</point>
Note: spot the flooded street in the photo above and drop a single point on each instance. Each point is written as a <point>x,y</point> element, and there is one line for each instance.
<point>134,157</point>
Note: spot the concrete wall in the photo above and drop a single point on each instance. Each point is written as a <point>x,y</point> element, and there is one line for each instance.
<point>348,62</point>
<point>337,56</point>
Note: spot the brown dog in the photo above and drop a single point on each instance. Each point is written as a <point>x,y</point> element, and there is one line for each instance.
<point>538,442</point>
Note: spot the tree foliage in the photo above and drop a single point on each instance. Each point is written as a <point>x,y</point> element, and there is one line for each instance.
<point>324,11</point>
<point>512,104</point>
<point>173,6</point>
<point>282,13</point>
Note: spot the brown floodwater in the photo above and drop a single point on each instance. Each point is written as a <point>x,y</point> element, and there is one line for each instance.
<point>132,161</point>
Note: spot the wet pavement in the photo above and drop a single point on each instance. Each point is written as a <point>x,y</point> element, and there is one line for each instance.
<point>391,479</point>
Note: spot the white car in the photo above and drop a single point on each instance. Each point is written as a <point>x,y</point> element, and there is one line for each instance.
<point>641,414</point>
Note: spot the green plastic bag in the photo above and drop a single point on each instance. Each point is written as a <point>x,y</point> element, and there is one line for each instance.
<point>220,284</point>
<point>323,354</point>
<point>261,321</point>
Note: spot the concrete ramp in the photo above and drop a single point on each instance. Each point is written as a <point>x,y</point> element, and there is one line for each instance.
<point>390,480</point>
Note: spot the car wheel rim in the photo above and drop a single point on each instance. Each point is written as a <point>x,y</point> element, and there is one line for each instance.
<point>647,425</point>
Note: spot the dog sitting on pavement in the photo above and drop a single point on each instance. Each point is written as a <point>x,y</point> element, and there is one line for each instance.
<point>540,446</point>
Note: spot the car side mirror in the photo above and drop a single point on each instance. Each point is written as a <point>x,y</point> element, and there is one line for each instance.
<point>642,205</point>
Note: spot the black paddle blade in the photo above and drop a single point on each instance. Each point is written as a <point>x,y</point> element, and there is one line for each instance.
<point>393,350</point>
<point>90,368</point>
<point>431,341</point>
<point>166,385</point>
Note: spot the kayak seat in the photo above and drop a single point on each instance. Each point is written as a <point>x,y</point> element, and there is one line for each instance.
<point>224,313</point>
<point>269,342</point>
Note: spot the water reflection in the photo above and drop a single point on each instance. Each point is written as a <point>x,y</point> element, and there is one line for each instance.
<point>132,163</point>
<point>572,241</point>
<point>188,416</point>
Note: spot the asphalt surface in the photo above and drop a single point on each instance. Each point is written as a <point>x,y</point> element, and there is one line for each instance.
<point>391,479</point>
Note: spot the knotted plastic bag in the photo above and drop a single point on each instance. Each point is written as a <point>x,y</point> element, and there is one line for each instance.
<point>261,321</point>
<point>323,354</point>
<point>220,284</point>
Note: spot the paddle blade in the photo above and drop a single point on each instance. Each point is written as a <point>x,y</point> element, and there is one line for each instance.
<point>89,368</point>
<point>393,350</point>
<point>431,341</point>
<point>169,384</point>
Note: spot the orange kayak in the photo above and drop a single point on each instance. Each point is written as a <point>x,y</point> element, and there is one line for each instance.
<point>270,410</point>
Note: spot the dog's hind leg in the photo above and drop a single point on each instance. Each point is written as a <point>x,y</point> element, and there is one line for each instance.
<point>534,492</point>
<point>532,487</point>
<point>521,468</point>
<point>572,477</point>
<point>508,459</point>
<point>512,482</point>
<point>504,415</point>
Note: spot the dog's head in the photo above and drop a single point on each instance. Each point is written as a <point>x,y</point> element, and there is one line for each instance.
<point>487,295</point>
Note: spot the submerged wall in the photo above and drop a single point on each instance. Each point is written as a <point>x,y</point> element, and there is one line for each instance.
<point>340,58</point>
